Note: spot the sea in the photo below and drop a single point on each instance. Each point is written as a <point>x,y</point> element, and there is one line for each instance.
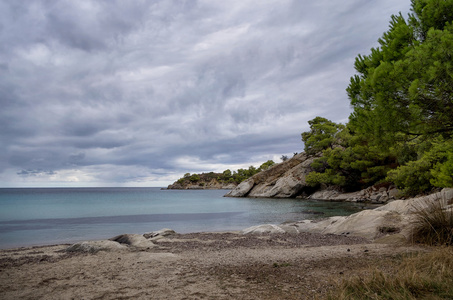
<point>46,216</point>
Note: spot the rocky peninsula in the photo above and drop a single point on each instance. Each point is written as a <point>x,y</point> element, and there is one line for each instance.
<point>287,180</point>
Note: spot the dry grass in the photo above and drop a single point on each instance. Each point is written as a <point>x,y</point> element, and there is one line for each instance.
<point>434,225</point>
<point>423,276</point>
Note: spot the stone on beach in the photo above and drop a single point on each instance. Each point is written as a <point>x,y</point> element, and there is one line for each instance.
<point>95,246</point>
<point>159,234</point>
<point>134,240</point>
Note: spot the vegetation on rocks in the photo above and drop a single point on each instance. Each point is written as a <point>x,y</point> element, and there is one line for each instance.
<point>225,178</point>
<point>401,127</point>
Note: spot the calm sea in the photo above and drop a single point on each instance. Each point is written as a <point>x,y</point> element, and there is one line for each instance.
<point>41,216</point>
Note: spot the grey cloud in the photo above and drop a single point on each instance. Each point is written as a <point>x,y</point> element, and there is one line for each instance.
<point>35,172</point>
<point>113,88</point>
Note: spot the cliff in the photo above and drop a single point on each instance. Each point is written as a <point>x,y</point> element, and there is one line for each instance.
<point>283,180</point>
<point>287,180</point>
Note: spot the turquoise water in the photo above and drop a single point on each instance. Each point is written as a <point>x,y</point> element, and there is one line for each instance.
<point>64,215</point>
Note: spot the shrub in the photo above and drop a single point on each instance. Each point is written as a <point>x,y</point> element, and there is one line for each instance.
<point>194,178</point>
<point>434,225</point>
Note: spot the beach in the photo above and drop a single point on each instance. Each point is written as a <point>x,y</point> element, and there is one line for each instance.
<point>226,265</point>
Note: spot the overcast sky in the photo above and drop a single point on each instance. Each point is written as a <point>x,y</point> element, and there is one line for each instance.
<point>137,93</point>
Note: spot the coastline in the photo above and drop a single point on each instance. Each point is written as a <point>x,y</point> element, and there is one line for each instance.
<point>302,260</point>
<point>223,265</point>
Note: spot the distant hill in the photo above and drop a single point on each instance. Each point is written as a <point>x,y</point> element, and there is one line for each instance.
<point>225,180</point>
<point>203,181</point>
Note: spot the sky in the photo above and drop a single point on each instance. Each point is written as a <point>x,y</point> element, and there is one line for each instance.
<point>138,93</point>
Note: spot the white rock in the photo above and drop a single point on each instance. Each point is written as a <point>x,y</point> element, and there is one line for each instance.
<point>134,240</point>
<point>242,189</point>
<point>160,233</point>
<point>265,228</point>
<point>95,246</point>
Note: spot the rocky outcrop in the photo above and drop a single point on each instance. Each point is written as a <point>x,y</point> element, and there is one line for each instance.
<point>374,194</point>
<point>284,180</point>
<point>395,218</point>
<point>287,180</point>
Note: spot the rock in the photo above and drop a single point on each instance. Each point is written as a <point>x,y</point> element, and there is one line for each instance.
<point>364,224</point>
<point>95,246</point>
<point>242,189</point>
<point>134,240</point>
<point>324,195</point>
<point>283,180</point>
<point>384,199</point>
<point>393,193</point>
<point>380,224</point>
<point>265,228</point>
<point>160,233</point>
<point>375,198</point>
<point>271,228</point>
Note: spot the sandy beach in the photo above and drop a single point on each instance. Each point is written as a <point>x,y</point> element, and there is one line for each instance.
<point>196,266</point>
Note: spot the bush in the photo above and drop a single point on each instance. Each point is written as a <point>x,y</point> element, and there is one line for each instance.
<point>443,173</point>
<point>433,169</point>
<point>412,178</point>
<point>194,178</point>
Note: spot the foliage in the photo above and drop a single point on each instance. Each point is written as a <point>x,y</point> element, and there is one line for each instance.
<point>401,127</point>
<point>433,168</point>
<point>443,172</point>
<point>404,88</point>
<point>266,165</point>
<point>194,178</point>
<point>322,135</point>
<point>352,165</point>
<point>226,176</point>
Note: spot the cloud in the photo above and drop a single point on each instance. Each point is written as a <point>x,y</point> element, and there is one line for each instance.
<point>141,92</point>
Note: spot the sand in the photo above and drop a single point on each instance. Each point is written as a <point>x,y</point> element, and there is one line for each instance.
<point>196,266</point>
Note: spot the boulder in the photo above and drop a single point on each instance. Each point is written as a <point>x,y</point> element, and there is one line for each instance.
<point>270,228</point>
<point>134,240</point>
<point>369,224</point>
<point>242,189</point>
<point>159,234</point>
<point>393,192</point>
<point>95,246</point>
